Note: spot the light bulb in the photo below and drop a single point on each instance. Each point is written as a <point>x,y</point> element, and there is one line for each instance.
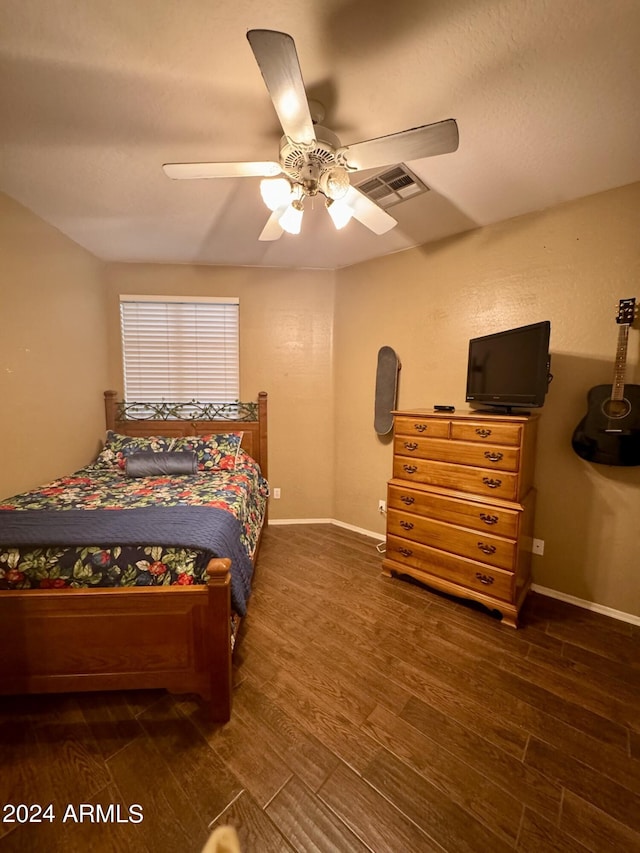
<point>291,219</point>
<point>275,192</point>
<point>334,182</point>
<point>340,212</point>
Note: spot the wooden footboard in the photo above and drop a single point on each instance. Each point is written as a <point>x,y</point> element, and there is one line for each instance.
<point>178,638</point>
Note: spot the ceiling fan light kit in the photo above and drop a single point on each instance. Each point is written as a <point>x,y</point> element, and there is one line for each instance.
<point>291,219</point>
<point>275,192</point>
<point>334,183</point>
<point>311,159</point>
<point>339,211</point>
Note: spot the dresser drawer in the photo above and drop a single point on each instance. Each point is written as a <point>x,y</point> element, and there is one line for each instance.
<point>463,453</point>
<point>497,520</point>
<point>489,549</point>
<point>459,570</point>
<point>486,432</point>
<point>436,427</point>
<point>478,481</point>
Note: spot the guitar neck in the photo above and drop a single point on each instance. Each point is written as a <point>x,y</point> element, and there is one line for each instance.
<point>617,390</point>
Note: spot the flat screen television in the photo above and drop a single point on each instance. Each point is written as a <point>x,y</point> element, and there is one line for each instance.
<point>510,369</point>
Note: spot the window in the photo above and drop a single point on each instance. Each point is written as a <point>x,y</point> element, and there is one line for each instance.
<point>180,349</point>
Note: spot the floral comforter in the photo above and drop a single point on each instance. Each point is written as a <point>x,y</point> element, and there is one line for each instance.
<point>242,492</point>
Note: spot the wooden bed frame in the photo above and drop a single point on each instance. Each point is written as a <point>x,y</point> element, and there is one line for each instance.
<point>123,638</point>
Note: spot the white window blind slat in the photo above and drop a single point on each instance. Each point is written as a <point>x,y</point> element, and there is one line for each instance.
<point>180,350</point>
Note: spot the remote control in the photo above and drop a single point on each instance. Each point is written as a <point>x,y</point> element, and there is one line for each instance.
<point>444,408</point>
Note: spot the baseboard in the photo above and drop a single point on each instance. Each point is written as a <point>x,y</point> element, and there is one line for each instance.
<point>587,605</point>
<point>379,536</point>
<point>542,590</point>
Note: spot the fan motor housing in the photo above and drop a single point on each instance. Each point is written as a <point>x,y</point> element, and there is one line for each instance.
<point>295,158</point>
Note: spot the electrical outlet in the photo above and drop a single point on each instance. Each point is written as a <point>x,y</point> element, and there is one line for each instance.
<point>276,494</point>
<point>382,506</point>
<point>538,547</point>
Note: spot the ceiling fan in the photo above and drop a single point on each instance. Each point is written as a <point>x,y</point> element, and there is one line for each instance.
<point>312,159</point>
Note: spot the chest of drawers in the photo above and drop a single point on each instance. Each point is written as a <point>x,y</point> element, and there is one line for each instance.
<point>460,505</point>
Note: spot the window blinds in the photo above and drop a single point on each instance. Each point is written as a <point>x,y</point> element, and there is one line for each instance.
<point>180,350</point>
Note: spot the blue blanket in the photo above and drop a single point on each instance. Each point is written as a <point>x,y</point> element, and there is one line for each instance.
<point>199,528</point>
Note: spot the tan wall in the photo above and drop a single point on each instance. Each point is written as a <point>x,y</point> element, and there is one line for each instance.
<point>571,265</point>
<point>52,351</point>
<point>286,322</point>
<point>311,339</point>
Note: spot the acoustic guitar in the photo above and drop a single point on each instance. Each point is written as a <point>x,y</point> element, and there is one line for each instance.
<point>609,433</point>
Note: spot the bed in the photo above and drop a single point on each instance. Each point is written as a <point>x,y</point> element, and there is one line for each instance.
<point>149,591</point>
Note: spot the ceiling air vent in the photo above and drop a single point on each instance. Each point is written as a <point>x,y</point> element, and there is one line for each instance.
<point>392,186</point>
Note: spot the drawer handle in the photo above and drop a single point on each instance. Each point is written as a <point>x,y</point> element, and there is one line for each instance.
<point>485,579</point>
<point>406,552</point>
<point>483,433</point>
<point>410,469</point>
<point>487,549</point>
<point>421,427</point>
<point>406,525</point>
<point>489,519</point>
<point>411,445</point>
<point>492,456</point>
<point>493,484</point>
<point>407,499</point>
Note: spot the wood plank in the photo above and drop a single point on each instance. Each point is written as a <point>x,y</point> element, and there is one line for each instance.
<point>469,788</point>
<point>513,690</point>
<point>371,817</point>
<point>301,751</point>
<point>353,746</point>
<point>538,835</point>
<point>607,796</point>
<point>524,783</point>
<point>171,822</point>
<point>25,776</point>
<point>308,823</point>
<point>256,831</point>
<point>257,765</point>
<point>634,745</point>
<point>198,770</point>
<point>596,829</point>
<point>439,817</point>
<point>601,675</point>
<point>502,730</point>
<point>67,754</point>
<point>597,695</point>
<point>593,632</point>
<point>110,719</point>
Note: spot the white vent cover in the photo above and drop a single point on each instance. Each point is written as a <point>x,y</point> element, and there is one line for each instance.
<point>392,186</point>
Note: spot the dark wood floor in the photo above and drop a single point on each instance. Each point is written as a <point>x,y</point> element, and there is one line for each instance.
<point>370,715</point>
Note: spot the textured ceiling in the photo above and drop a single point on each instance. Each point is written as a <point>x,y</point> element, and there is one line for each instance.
<point>95,95</point>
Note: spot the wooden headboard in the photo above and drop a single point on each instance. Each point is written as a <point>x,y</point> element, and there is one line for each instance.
<point>175,419</point>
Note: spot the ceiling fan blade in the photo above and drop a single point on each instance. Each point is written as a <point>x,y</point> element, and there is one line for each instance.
<point>273,230</point>
<point>277,59</point>
<point>367,212</point>
<point>185,171</point>
<point>425,141</point>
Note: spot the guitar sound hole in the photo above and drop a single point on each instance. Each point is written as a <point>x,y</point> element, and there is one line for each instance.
<point>616,408</point>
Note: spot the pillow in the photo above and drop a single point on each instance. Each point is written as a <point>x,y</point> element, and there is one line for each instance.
<point>117,447</point>
<point>213,452</point>
<point>150,463</point>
